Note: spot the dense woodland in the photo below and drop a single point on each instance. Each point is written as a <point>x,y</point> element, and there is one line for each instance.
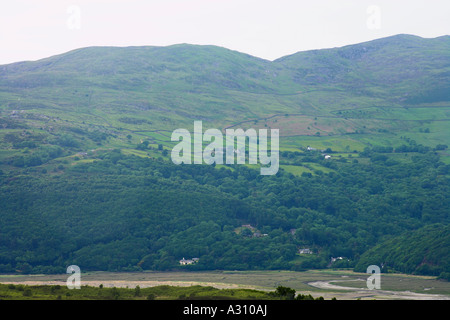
<point>127,213</point>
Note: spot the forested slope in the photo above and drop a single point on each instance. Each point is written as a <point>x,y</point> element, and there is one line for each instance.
<point>423,251</point>
<point>124,212</point>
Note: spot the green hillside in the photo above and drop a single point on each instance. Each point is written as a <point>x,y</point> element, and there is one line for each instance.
<point>423,251</point>
<point>373,93</point>
<point>86,176</point>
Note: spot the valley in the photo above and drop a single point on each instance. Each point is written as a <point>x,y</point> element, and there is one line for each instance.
<point>86,175</point>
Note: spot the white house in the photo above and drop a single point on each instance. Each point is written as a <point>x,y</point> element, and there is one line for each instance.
<point>188,261</point>
<point>185,262</point>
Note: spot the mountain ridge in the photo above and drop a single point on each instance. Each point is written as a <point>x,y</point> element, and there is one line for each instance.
<point>170,86</point>
<point>387,38</point>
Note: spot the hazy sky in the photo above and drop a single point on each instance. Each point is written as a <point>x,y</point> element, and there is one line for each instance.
<point>34,29</point>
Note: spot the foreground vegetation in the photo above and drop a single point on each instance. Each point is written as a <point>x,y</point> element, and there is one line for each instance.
<point>57,292</point>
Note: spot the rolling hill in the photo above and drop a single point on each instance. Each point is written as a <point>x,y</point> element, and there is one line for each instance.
<point>371,93</point>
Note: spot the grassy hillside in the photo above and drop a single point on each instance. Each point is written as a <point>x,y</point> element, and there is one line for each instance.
<point>374,93</point>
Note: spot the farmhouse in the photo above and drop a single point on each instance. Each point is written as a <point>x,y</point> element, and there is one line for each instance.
<point>188,261</point>
<point>259,235</point>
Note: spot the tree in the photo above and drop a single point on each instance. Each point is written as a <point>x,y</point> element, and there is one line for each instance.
<point>441,147</point>
<point>137,291</point>
<point>246,232</point>
<point>27,292</point>
<point>141,146</point>
<point>285,292</point>
<point>115,293</point>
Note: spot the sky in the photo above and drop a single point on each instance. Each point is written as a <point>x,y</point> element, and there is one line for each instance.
<point>35,29</point>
